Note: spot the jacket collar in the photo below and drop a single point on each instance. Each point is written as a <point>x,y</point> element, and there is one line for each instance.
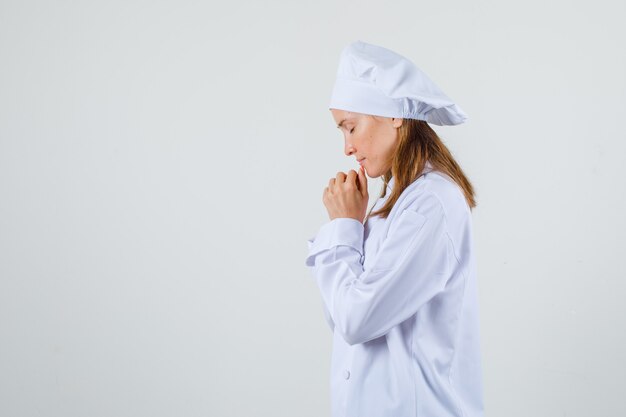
<point>427,168</point>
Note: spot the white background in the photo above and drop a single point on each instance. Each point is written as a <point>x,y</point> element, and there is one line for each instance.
<point>162,165</point>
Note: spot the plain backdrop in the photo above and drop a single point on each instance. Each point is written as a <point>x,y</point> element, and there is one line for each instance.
<point>162,164</point>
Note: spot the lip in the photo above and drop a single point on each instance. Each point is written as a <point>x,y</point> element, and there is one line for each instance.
<point>360,161</point>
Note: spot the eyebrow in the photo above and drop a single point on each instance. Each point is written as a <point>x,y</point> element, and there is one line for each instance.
<point>340,123</point>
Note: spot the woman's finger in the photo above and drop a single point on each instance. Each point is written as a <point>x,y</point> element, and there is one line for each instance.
<point>362,181</point>
<point>352,177</point>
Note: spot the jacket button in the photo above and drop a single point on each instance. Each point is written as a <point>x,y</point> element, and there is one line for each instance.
<point>346,374</point>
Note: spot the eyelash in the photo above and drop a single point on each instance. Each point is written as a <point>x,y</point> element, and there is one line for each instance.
<point>351,130</point>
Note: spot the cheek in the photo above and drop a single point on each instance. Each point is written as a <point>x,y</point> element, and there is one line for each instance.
<point>386,141</point>
<point>375,142</point>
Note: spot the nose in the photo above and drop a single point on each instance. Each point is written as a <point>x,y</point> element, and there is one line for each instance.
<point>348,149</point>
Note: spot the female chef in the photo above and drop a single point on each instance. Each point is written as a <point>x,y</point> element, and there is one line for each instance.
<point>399,285</point>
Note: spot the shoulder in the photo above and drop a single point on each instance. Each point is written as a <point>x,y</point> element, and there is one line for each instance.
<point>435,200</point>
<point>434,194</point>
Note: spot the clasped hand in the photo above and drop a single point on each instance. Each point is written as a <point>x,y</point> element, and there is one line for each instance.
<point>346,195</point>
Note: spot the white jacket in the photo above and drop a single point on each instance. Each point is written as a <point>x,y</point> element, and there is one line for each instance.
<point>400,295</point>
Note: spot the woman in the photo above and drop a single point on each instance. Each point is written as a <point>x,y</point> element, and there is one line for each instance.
<point>399,285</point>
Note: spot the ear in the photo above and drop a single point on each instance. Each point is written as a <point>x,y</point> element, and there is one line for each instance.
<point>397,122</point>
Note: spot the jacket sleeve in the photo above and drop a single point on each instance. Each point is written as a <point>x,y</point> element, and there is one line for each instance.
<point>328,317</point>
<point>412,265</point>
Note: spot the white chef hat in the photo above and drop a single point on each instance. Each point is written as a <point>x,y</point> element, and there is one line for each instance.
<point>377,81</point>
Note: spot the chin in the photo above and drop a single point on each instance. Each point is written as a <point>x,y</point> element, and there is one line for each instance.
<point>371,172</point>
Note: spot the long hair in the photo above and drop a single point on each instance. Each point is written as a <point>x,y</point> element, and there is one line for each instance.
<point>418,143</point>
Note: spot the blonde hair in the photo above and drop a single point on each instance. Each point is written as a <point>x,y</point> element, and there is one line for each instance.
<point>418,143</point>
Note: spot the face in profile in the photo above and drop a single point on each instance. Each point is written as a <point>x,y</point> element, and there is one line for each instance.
<point>372,139</point>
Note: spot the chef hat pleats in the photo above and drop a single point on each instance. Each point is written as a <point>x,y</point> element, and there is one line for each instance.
<point>377,81</point>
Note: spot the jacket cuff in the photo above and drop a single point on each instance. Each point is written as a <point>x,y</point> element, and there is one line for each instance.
<point>339,231</point>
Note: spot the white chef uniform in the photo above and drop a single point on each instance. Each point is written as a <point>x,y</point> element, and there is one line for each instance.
<point>400,295</point>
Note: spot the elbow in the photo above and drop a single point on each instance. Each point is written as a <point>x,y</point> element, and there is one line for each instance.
<point>357,318</point>
<point>352,339</point>
<point>354,330</point>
